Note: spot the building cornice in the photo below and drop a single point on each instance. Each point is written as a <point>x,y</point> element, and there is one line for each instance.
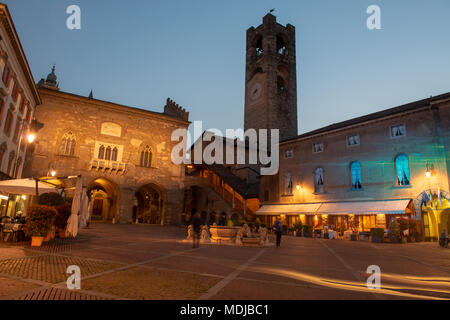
<point>65,96</point>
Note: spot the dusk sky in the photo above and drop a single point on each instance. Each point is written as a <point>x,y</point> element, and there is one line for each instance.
<point>138,53</point>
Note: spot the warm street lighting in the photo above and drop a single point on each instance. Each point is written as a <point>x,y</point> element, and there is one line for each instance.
<point>298,187</point>
<point>31,137</point>
<point>53,173</point>
<point>429,170</point>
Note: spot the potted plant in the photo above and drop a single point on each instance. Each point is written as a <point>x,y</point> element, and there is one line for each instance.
<point>394,231</point>
<point>307,231</point>
<point>377,235</point>
<point>298,226</point>
<point>39,223</point>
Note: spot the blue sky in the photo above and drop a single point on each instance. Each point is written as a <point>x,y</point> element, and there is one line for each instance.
<point>139,52</point>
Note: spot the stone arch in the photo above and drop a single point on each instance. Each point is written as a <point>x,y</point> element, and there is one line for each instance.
<point>150,204</point>
<point>105,196</point>
<point>434,218</point>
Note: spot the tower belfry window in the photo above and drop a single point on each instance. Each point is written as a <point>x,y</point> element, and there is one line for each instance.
<point>259,47</point>
<point>281,46</point>
<point>281,84</point>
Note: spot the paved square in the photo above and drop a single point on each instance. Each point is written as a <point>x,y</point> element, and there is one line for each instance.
<point>151,262</point>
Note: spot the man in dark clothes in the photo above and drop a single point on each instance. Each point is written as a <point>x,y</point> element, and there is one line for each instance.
<point>196,224</point>
<point>279,231</point>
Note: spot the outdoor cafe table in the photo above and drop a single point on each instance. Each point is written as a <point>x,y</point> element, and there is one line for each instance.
<point>11,229</point>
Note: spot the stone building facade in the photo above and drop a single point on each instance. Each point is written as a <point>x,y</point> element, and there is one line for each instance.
<point>122,153</point>
<point>18,99</point>
<point>391,155</point>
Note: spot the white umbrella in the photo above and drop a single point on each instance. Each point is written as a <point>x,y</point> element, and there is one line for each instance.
<point>72,223</point>
<point>25,186</point>
<point>84,210</point>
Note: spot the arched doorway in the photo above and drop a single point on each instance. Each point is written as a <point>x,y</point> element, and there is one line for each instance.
<point>104,196</point>
<point>150,204</point>
<point>435,213</point>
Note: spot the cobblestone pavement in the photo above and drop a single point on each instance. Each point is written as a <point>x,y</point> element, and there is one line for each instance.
<point>151,262</point>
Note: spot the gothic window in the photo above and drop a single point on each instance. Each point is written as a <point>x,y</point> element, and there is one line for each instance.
<point>115,152</point>
<point>101,152</point>
<point>318,180</point>
<point>402,170</point>
<point>288,184</point>
<point>68,143</point>
<point>355,171</point>
<point>146,157</point>
<point>108,153</point>
<point>398,131</point>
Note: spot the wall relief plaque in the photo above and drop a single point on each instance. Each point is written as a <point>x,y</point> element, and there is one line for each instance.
<point>111,129</point>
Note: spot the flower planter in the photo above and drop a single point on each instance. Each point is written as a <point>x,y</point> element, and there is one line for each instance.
<point>377,240</point>
<point>353,237</point>
<point>36,241</point>
<point>47,237</point>
<point>298,234</point>
<point>307,235</point>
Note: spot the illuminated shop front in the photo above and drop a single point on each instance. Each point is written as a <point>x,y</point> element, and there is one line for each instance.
<point>339,216</point>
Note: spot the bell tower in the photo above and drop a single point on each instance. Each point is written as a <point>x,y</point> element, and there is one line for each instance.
<point>270,78</point>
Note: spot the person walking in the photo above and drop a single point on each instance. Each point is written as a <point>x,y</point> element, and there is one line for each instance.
<point>196,224</point>
<point>278,231</point>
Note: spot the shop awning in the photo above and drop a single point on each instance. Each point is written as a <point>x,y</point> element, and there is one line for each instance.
<point>288,209</point>
<point>365,207</point>
<point>25,186</point>
<point>339,208</point>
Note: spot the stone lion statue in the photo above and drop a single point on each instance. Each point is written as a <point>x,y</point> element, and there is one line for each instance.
<point>239,236</point>
<point>204,234</point>
<point>264,239</point>
<point>190,234</point>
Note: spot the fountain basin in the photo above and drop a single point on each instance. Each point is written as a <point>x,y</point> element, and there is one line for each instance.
<point>223,233</point>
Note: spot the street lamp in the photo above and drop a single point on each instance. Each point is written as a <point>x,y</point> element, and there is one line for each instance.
<point>31,137</point>
<point>430,168</point>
